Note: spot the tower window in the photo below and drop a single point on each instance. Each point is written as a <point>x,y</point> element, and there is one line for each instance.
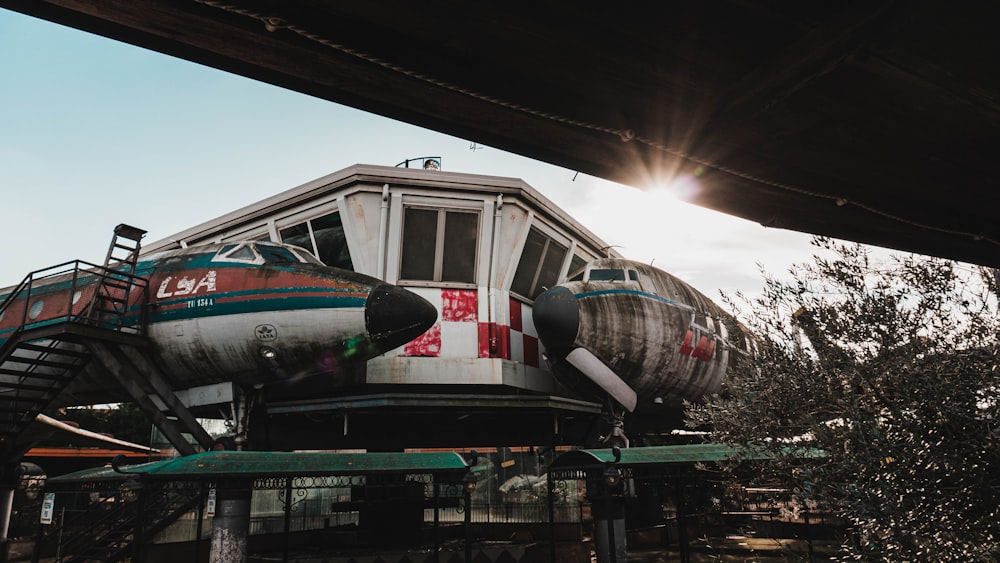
<point>324,237</point>
<point>439,245</point>
<point>540,265</point>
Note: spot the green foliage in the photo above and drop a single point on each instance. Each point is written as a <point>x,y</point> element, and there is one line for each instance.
<point>890,368</point>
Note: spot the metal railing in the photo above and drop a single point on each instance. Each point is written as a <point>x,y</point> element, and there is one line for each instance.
<point>67,292</point>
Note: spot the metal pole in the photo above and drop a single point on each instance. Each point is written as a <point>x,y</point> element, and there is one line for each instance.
<point>468,526</point>
<point>437,521</point>
<point>809,537</point>
<point>682,538</point>
<point>201,517</point>
<point>139,538</point>
<point>552,516</point>
<point>610,521</point>
<point>62,520</point>
<point>288,517</point>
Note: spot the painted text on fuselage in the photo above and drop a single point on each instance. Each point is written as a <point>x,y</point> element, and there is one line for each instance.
<point>186,285</point>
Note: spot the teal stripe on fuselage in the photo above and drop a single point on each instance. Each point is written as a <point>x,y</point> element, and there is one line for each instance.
<point>210,306</point>
<point>632,292</point>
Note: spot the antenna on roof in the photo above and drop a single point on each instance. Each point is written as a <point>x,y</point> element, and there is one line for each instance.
<point>426,162</point>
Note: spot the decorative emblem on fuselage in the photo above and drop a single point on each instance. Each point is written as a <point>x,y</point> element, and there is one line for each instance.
<point>266,333</point>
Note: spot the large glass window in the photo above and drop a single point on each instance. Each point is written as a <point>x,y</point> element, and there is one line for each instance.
<point>540,265</point>
<point>324,237</point>
<point>439,245</point>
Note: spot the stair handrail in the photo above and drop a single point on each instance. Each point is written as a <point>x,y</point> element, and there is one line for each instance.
<point>24,287</point>
<point>109,509</point>
<point>125,516</point>
<point>73,270</point>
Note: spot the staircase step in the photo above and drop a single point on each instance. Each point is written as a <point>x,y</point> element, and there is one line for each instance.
<point>51,350</point>
<point>25,390</point>
<point>31,387</point>
<point>35,375</point>
<point>34,362</point>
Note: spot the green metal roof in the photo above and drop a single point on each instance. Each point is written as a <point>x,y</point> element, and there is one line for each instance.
<point>211,465</point>
<point>661,455</point>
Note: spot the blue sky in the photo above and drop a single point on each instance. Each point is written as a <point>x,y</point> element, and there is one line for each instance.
<point>94,133</point>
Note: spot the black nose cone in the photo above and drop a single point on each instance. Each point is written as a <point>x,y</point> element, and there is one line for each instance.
<point>395,316</point>
<point>557,318</point>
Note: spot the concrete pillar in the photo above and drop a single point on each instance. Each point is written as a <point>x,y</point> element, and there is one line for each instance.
<point>231,525</point>
<point>609,529</point>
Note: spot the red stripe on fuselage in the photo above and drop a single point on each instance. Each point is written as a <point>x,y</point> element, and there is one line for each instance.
<point>206,282</point>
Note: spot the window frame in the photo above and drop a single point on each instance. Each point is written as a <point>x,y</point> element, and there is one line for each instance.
<point>306,217</point>
<point>550,235</point>
<point>439,243</point>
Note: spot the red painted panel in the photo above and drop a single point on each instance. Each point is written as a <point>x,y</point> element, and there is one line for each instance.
<point>459,305</point>
<point>709,350</point>
<point>503,342</point>
<point>427,344</point>
<point>485,335</point>
<point>701,351</point>
<point>515,315</point>
<point>686,347</point>
<point>530,350</point>
<point>494,341</point>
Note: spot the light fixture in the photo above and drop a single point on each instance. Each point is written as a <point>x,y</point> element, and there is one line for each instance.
<point>612,476</point>
<point>469,483</point>
<point>268,353</point>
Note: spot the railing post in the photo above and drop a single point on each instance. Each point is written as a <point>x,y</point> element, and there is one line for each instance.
<point>550,497</point>
<point>437,520</point>
<point>288,517</point>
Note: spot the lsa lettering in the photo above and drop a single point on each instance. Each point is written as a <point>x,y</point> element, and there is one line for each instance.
<point>186,286</point>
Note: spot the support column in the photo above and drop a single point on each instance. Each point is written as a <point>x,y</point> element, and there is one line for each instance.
<point>605,490</point>
<point>231,525</point>
<point>609,529</point>
<point>10,478</point>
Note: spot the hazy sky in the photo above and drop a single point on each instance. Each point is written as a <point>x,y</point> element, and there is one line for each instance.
<point>94,133</point>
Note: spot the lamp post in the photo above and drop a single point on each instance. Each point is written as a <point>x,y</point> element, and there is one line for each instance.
<point>468,487</point>
<point>611,543</point>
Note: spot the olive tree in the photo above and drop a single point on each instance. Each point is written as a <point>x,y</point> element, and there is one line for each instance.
<point>889,368</point>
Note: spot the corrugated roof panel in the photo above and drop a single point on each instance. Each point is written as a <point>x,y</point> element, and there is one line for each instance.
<point>209,465</point>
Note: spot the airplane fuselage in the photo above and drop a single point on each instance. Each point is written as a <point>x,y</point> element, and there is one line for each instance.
<point>662,338</point>
<point>252,313</point>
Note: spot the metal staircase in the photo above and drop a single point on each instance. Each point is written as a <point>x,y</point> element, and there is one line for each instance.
<point>31,375</point>
<point>46,322</point>
<point>55,323</point>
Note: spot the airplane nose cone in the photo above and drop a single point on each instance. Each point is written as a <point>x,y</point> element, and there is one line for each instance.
<point>395,316</point>
<point>557,317</point>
